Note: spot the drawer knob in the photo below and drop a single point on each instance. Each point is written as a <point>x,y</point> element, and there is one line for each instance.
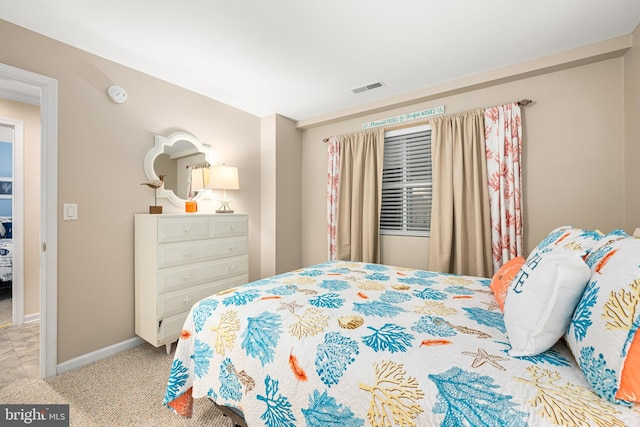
<point>232,267</point>
<point>187,254</point>
<point>187,277</point>
<point>232,227</point>
<point>232,248</point>
<point>187,300</point>
<point>187,229</point>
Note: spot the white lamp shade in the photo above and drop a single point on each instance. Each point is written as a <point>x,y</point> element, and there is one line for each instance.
<point>224,178</point>
<point>199,179</point>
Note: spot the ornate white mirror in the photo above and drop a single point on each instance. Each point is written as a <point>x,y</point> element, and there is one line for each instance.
<point>170,157</point>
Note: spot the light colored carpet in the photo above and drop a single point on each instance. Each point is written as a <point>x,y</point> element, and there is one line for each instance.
<point>124,390</point>
<point>5,311</point>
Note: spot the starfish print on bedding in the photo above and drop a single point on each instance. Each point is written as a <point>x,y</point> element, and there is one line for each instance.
<point>291,306</point>
<point>482,357</point>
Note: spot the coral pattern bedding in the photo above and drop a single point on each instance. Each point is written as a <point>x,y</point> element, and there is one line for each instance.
<point>353,344</point>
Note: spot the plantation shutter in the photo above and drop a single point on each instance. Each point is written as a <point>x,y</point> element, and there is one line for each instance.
<point>406,182</point>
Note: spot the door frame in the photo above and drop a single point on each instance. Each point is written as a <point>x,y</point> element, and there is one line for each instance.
<point>48,213</point>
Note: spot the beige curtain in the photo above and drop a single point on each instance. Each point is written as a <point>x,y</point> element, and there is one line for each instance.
<point>360,196</point>
<point>460,240</point>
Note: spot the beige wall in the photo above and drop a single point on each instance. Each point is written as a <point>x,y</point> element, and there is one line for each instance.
<point>632,132</point>
<point>30,116</point>
<point>288,196</point>
<point>268,228</point>
<point>573,160</point>
<point>281,195</point>
<point>101,147</point>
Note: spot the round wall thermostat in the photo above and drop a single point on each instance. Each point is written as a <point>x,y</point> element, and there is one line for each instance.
<point>117,94</point>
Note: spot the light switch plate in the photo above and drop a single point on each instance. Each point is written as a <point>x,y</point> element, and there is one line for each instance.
<point>70,212</point>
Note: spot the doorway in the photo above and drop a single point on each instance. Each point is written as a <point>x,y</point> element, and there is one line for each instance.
<point>23,81</point>
<point>11,221</point>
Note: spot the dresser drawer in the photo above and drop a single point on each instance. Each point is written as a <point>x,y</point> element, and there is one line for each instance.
<point>175,302</point>
<point>231,226</point>
<point>170,254</point>
<point>171,327</point>
<point>194,274</point>
<point>181,229</point>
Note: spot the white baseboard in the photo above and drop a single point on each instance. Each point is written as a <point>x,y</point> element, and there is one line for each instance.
<point>35,317</point>
<point>94,356</point>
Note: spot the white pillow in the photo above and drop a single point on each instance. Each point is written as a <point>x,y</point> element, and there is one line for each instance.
<point>3,231</point>
<point>541,300</point>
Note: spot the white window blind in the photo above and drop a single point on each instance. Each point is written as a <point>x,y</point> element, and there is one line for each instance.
<point>406,182</point>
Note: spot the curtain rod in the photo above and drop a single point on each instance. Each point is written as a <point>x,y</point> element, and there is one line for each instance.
<point>522,103</point>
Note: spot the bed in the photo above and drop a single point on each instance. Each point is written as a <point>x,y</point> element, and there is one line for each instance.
<point>353,344</point>
<point>6,253</point>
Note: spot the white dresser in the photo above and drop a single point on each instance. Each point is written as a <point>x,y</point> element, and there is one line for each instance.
<point>180,259</point>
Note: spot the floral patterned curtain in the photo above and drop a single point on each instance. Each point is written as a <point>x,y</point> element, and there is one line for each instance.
<point>333,179</point>
<point>503,139</point>
<point>190,192</point>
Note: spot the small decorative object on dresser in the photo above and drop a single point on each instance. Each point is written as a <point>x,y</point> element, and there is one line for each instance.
<point>155,184</point>
<point>180,259</point>
<point>191,206</point>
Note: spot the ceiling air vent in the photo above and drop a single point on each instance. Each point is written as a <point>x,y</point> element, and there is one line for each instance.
<point>367,87</point>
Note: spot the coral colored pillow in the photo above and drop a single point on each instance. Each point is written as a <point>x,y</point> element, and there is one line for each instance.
<point>603,333</point>
<point>630,382</point>
<point>503,278</point>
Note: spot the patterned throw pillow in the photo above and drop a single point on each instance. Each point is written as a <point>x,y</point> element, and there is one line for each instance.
<point>602,333</point>
<point>570,238</point>
<point>542,298</point>
<point>502,279</point>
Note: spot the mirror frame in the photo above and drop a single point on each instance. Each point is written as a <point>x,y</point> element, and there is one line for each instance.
<point>168,141</point>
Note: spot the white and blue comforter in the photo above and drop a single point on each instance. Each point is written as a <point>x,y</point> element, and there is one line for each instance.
<point>6,260</point>
<point>352,344</point>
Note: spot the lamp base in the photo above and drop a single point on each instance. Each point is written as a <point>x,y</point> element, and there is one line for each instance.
<point>155,209</point>
<point>224,207</point>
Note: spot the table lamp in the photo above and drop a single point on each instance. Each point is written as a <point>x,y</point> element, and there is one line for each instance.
<point>199,181</point>
<point>224,178</point>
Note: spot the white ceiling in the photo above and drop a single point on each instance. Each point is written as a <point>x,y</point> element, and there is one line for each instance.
<point>302,58</point>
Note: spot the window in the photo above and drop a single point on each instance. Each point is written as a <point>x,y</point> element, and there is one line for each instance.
<point>406,182</point>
